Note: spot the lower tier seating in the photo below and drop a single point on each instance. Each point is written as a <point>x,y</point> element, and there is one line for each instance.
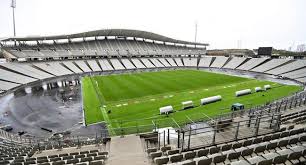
<point>287,147</point>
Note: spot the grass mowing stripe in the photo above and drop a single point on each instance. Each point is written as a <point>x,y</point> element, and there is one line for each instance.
<point>91,103</point>
<point>136,98</point>
<point>100,96</point>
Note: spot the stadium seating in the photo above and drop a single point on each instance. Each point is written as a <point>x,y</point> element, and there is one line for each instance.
<point>303,79</point>
<point>94,65</point>
<point>128,64</point>
<point>13,73</point>
<point>280,147</point>
<point>190,62</point>
<point>205,61</point>
<point>70,65</point>
<point>219,62</point>
<point>234,62</point>
<point>156,63</point>
<point>284,144</point>
<point>98,48</point>
<point>288,67</point>
<point>178,62</point>
<point>295,74</point>
<point>137,63</point>
<point>171,62</point>
<point>164,62</point>
<point>105,65</point>
<point>270,65</point>
<point>147,63</point>
<point>250,64</point>
<point>16,154</point>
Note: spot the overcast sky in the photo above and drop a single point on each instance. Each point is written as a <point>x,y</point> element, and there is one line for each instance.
<point>221,23</point>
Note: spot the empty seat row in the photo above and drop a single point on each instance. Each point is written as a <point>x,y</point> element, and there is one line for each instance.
<point>282,152</point>
<point>230,151</point>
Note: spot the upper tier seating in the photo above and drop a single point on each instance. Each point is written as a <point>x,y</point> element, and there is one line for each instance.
<point>108,47</point>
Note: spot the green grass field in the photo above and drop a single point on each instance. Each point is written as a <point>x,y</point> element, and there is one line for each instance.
<point>135,99</point>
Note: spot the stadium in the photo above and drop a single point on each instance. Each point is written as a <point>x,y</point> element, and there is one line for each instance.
<point>125,96</point>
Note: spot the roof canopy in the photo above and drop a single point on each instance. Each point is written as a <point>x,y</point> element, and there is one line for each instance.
<point>107,32</point>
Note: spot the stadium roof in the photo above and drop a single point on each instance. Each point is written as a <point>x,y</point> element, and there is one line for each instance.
<point>107,32</point>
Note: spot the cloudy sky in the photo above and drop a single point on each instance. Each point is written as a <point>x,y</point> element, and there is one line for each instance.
<point>221,23</point>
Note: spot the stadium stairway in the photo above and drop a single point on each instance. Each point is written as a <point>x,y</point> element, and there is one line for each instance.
<point>127,151</point>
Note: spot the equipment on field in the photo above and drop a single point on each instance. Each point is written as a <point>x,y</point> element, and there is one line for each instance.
<point>266,87</point>
<point>258,89</point>
<point>187,104</point>
<point>243,92</point>
<point>166,109</point>
<point>212,99</point>
<point>237,106</point>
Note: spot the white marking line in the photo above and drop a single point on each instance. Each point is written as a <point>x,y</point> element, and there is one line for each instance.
<point>152,99</point>
<point>125,104</point>
<point>118,105</point>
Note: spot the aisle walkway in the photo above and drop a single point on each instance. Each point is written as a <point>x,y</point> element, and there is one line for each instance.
<point>127,151</point>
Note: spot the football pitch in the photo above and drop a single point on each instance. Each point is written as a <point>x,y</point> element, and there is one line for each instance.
<point>134,99</point>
